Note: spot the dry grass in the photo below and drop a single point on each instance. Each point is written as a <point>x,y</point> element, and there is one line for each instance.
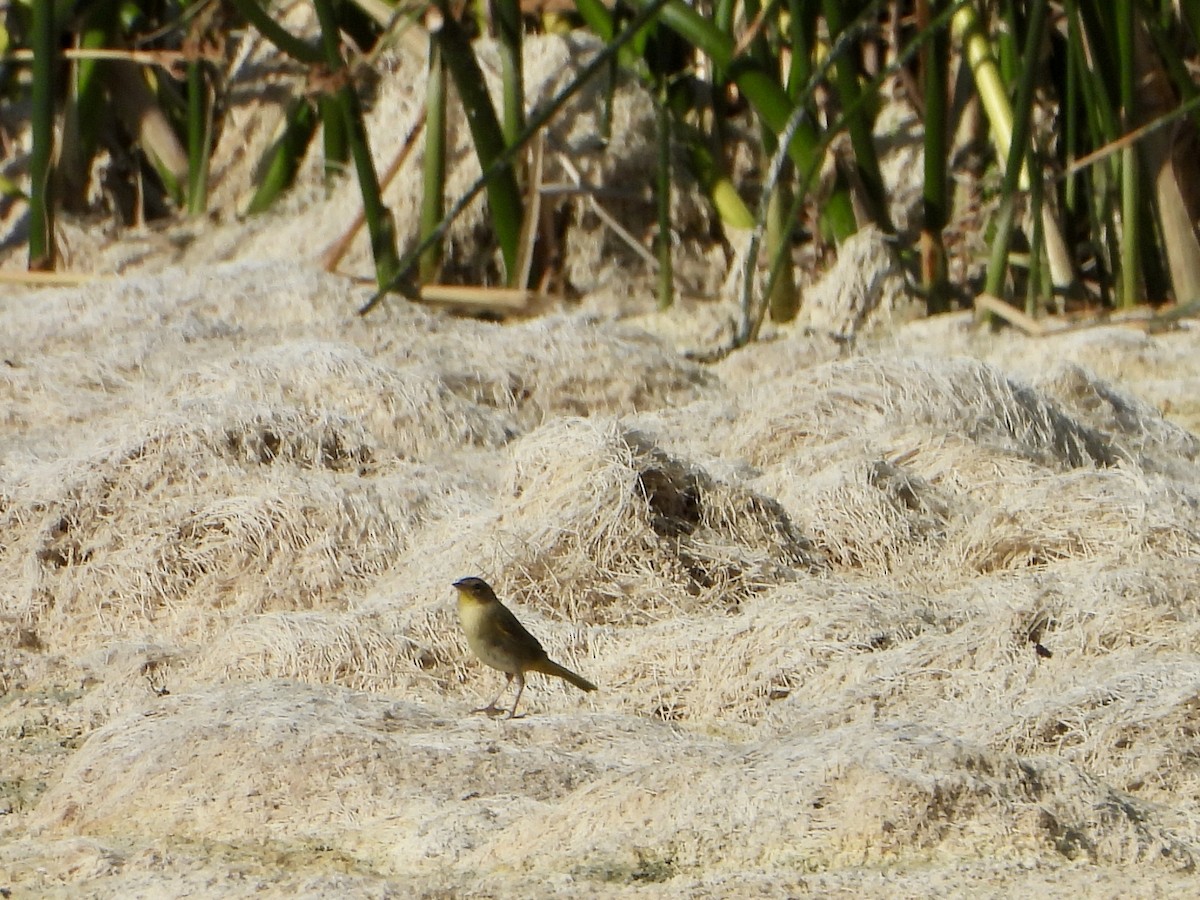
<point>886,611</point>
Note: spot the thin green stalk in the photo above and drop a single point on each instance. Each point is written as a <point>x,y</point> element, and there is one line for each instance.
<point>723,11</point>
<point>1095,24</point>
<point>87,108</point>
<point>504,195</point>
<point>1130,188</point>
<point>43,40</point>
<point>1037,247</point>
<point>506,14</point>
<point>935,67</point>
<point>1101,214</point>
<point>1005,38</point>
<point>782,298</point>
<point>1099,79</point>
<point>980,56</point>
<point>302,51</point>
<point>1018,149</point>
<point>1071,104</point>
<point>802,35</point>
<point>331,57</point>
<point>282,160</point>
<point>199,126</point>
<point>379,221</point>
<point>837,216</point>
<point>434,162</point>
<point>859,125</point>
<point>335,142</point>
<point>480,10</point>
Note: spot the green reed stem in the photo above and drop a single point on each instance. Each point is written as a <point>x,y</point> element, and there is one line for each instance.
<point>43,40</point>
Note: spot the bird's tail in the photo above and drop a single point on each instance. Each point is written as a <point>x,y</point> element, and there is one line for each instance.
<point>549,667</point>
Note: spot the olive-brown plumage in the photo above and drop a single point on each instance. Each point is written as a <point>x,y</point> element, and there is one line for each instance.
<point>500,641</point>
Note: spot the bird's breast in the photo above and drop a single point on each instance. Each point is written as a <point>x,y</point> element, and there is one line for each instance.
<point>484,636</point>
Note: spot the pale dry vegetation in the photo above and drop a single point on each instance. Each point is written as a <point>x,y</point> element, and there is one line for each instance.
<point>902,610</point>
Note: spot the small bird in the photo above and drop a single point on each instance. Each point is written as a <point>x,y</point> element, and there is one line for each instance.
<point>498,639</point>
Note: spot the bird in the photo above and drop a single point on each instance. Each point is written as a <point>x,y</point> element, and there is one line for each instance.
<point>500,641</point>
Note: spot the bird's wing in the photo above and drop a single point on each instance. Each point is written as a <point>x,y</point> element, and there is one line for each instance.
<point>514,633</point>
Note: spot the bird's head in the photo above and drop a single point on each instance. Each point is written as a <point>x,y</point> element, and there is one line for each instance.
<point>476,589</point>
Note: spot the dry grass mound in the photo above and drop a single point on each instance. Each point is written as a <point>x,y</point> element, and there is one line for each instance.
<point>375,786</point>
<point>908,792</point>
<point>628,533</point>
<point>891,622</point>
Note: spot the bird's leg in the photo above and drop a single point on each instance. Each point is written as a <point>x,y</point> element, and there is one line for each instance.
<point>520,687</point>
<point>491,708</point>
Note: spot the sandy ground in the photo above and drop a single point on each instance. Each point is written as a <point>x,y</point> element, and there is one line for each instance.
<point>912,616</point>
